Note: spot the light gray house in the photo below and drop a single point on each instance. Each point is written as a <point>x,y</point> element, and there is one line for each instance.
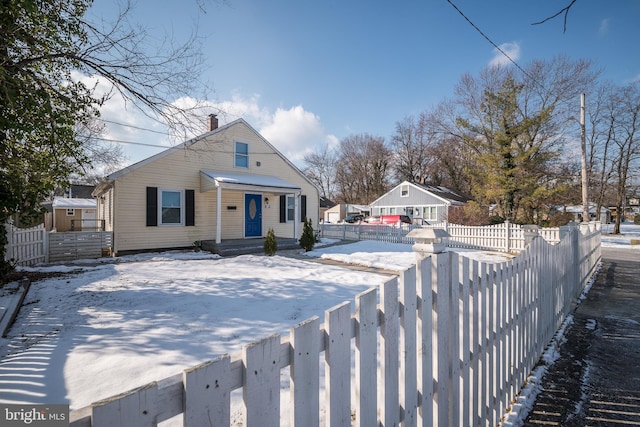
<point>423,203</point>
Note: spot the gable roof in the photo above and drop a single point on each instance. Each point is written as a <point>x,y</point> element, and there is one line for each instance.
<point>106,183</point>
<point>443,193</point>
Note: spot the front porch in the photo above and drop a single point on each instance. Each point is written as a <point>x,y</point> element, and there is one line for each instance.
<point>231,247</point>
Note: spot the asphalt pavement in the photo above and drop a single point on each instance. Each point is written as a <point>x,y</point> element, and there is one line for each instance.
<point>596,380</point>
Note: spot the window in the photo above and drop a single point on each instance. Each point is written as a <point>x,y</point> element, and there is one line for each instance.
<point>241,155</point>
<point>430,213</point>
<point>171,207</point>
<point>392,211</point>
<point>383,211</point>
<point>291,208</point>
<point>71,212</point>
<point>404,190</point>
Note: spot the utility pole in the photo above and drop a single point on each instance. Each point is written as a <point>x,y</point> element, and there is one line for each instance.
<point>585,180</point>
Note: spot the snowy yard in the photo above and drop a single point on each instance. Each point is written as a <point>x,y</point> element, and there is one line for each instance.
<point>107,328</point>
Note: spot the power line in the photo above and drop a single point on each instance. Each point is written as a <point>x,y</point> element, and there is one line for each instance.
<point>495,45</point>
<point>119,141</point>
<point>133,127</point>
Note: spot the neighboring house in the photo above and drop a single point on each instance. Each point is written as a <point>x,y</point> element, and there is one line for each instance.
<point>229,183</point>
<point>423,203</point>
<point>325,205</point>
<point>73,214</point>
<point>577,211</point>
<point>339,212</point>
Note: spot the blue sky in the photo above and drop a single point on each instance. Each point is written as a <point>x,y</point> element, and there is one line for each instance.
<point>306,74</point>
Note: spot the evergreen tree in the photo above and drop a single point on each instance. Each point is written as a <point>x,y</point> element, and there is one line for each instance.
<point>308,239</point>
<point>270,243</point>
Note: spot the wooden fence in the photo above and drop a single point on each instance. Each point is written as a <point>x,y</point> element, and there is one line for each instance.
<point>29,246</point>
<point>26,246</point>
<point>450,342</point>
<point>505,237</point>
<point>79,245</point>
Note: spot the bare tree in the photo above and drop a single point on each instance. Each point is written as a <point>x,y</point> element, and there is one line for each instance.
<point>411,144</point>
<point>321,169</point>
<point>362,173</point>
<point>627,146</point>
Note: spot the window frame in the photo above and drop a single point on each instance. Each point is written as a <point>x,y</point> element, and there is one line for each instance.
<point>71,212</point>
<point>291,209</point>
<point>161,192</point>
<point>404,190</point>
<point>237,154</point>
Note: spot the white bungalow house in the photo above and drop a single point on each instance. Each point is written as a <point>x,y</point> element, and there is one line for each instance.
<point>229,183</point>
<point>423,203</point>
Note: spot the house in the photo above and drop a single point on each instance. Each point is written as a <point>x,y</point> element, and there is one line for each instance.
<point>72,214</point>
<point>71,209</point>
<point>338,212</point>
<point>229,183</point>
<point>423,203</point>
<point>577,211</point>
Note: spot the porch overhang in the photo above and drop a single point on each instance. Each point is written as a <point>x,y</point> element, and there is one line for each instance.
<point>211,180</point>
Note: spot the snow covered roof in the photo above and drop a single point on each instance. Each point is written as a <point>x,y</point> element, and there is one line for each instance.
<point>233,179</point>
<point>73,203</point>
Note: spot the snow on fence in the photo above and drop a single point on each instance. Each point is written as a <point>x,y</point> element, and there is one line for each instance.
<point>449,342</point>
<point>505,237</point>
<point>26,246</point>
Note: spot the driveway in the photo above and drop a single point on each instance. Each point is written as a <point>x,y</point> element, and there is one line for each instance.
<point>596,380</point>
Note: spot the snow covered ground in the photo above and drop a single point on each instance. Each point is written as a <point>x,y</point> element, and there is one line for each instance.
<point>110,327</point>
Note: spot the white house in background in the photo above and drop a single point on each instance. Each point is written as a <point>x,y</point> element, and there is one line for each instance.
<point>423,203</point>
<point>229,183</point>
<point>577,210</point>
<point>338,212</point>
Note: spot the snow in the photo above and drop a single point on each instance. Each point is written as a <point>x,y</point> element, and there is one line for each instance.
<point>111,325</point>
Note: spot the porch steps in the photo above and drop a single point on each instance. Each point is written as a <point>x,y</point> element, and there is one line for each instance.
<point>246,246</point>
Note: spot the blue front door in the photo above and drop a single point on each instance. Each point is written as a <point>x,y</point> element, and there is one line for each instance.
<point>253,215</point>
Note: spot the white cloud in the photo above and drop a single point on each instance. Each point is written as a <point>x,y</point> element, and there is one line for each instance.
<point>294,131</point>
<point>604,26</point>
<point>511,49</point>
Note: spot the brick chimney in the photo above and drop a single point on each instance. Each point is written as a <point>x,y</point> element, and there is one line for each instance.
<point>213,122</point>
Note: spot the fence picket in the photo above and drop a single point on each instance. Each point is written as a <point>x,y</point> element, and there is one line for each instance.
<point>442,347</point>
<point>408,361</point>
<point>424,333</point>
<point>389,358</point>
<point>207,389</point>
<point>305,373</point>
<point>136,408</point>
<point>338,365</point>
<point>261,391</point>
<point>366,358</point>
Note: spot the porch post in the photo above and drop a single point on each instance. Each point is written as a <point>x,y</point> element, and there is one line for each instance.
<point>296,214</point>
<point>218,213</point>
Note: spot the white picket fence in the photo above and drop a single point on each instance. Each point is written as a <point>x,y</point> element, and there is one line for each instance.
<point>27,246</point>
<point>505,237</point>
<point>448,343</point>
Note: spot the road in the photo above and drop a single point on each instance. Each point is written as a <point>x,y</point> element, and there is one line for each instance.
<point>596,380</point>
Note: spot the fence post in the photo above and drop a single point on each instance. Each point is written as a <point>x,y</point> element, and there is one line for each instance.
<point>507,224</point>
<point>9,246</point>
<point>45,244</point>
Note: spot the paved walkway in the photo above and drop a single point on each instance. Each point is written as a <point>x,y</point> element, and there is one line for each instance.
<point>596,380</point>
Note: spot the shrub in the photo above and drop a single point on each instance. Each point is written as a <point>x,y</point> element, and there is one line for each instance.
<point>471,214</point>
<point>560,219</point>
<point>636,219</point>
<point>308,239</point>
<point>270,244</point>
